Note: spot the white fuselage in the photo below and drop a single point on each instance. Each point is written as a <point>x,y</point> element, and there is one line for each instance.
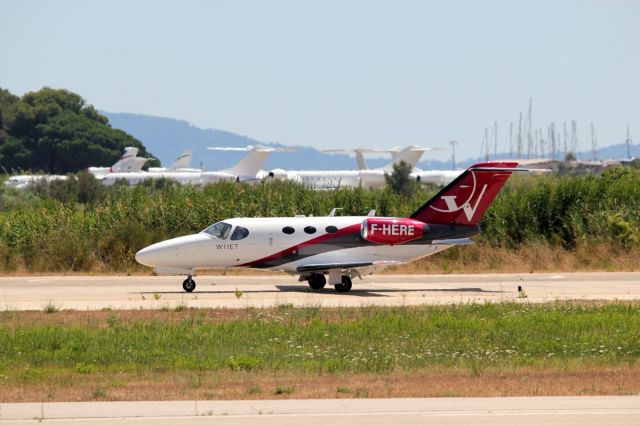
<point>266,246</point>
<point>134,178</point>
<point>436,177</point>
<point>25,181</point>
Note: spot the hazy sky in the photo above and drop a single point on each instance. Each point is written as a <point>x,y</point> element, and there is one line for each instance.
<point>338,73</point>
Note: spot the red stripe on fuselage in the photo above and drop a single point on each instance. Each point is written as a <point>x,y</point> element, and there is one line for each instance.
<point>322,238</point>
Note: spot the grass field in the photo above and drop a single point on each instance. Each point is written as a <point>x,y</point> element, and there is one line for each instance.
<point>493,349</point>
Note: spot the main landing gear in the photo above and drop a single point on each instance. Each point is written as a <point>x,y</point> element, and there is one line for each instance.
<point>344,286</point>
<point>189,284</point>
<point>318,281</point>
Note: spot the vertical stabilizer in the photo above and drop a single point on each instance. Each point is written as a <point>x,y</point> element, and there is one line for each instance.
<point>410,155</point>
<point>129,162</point>
<point>464,201</point>
<point>183,161</point>
<point>250,164</point>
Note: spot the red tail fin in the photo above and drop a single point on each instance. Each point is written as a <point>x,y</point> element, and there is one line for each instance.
<point>465,200</point>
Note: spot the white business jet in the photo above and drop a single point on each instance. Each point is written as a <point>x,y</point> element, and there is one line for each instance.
<point>336,249</point>
<point>329,179</point>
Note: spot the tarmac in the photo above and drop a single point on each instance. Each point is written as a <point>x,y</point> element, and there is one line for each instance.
<point>156,292</point>
<point>590,410</point>
<point>148,292</point>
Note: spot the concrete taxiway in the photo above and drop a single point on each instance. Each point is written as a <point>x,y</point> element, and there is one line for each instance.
<point>595,410</point>
<point>147,292</point>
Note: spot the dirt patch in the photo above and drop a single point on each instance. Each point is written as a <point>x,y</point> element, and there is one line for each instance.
<point>189,385</point>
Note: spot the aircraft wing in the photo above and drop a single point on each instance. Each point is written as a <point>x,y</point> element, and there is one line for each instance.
<point>358,268</point>
<point>327,266</point>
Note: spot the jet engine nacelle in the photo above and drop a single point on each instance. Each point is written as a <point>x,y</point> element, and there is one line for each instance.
<point>384,230</point>
<point>278,174</point>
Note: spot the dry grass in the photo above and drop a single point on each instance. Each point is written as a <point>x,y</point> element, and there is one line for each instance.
<point>479,258</point>
<point>189,385</point>
<point>531,258</point>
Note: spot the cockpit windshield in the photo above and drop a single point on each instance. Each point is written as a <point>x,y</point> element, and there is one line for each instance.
<point>218,230</point>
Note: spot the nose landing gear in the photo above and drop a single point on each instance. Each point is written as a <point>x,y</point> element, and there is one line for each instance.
<point>189,284</point>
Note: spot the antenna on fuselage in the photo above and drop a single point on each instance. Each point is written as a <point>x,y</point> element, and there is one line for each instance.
<point>334,210</point>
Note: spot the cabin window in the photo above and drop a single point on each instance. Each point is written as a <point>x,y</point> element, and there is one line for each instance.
<point>218,230</point>
<point>310,230</point>
<point>331,229</point>
<point>288,230</point>
<point>239,233</point>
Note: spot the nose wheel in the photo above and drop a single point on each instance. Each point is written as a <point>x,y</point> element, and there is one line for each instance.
<point>189,284</point>
<point>344,286</point>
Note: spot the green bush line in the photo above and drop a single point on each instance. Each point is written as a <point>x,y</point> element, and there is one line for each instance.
<point>312,340</point>
<point>39,232</point>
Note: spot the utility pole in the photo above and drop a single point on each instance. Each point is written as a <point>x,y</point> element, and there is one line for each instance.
<point>453,153</point>
<point>628,141</point>
<point>594,143</point>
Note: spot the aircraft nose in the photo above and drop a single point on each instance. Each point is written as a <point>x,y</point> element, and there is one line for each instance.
<point>147,256</point>
<point>176,252</point>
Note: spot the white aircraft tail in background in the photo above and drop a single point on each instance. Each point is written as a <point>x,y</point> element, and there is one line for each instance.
<point>181,164</point>
<point>250,165</point>
<point>183,161</point>
<point>129,162</point>
<point>410,155</point>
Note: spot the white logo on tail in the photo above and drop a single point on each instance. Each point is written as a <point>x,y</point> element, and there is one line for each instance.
<point>469,211</point>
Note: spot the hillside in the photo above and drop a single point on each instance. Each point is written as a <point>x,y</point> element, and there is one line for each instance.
<point>168,137</point>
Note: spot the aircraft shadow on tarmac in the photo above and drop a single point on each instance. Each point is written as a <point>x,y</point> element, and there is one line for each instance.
<point>382,292</point>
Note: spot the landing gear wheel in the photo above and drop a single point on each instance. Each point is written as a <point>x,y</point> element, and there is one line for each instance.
<point>345,286</point>
<point>317,281</point>
<point>189,284</point>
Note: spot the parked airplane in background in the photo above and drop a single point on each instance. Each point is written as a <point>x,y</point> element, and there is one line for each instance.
<point>340,247</point>
<point>129,162</point>
<point>181,164</point>
<point>329,179</point>
<point>436,177</point>
<point>245,170</point>
<point>248,169</point>
<point>25,181</point>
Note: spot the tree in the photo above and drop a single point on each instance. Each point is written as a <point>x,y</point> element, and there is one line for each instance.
<point>55,131</point>
<point>399,181</point>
